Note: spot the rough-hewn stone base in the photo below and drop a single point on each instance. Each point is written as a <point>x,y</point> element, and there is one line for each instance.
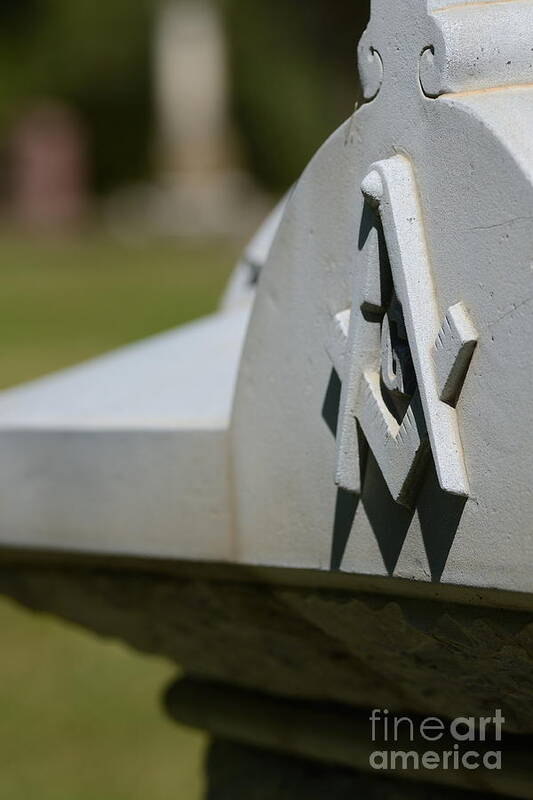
<point>358,649</point>
<point>240,772</point>
<point>343,737</point>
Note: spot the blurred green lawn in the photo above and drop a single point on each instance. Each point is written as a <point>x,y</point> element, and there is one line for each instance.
<point>61,302</point>
<point>79,716</point>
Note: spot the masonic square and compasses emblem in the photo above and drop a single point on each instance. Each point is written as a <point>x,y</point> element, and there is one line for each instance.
<point>401,364</point>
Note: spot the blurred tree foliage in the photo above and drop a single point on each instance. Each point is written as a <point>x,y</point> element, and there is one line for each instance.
<point>94,55</point>
<point>293,69</point>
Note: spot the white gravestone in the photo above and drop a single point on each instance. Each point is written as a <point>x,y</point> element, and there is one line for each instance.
<point>375,413</point>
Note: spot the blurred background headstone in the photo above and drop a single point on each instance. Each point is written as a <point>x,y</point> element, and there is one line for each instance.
<point>191,88</point>
<point>204,188</point>
<point>48,168</point>
<point>195,111</point>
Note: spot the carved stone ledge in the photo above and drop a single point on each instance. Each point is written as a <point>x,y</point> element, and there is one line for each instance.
<point>430,658</point>
<point>338,745</point>
<point>241,772</point>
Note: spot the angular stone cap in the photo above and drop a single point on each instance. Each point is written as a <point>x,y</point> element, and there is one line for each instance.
<point>127,453</point>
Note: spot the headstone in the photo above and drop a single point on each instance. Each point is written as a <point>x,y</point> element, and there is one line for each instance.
<point>204,188</point>
<point>191,87</point>
<point>48,166</point>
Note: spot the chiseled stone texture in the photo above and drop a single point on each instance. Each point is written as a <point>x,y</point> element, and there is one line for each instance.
<point>425,657</point>
<point>238,772</point>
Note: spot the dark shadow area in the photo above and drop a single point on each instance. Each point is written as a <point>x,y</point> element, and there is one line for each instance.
<point>332,401</point>
<point>252,758</point>
<point>236,771</point>
<point>390,521</point>
<point>368,224</point>
<point>346,502</point>
<point>440,515</point>
<point>346,508</point>
<point>417,474</point>
<point>371,223</point>
<point>345,511</point>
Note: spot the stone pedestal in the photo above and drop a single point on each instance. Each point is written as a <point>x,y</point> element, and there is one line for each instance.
<point>241,772</point>
<point>275,747</point>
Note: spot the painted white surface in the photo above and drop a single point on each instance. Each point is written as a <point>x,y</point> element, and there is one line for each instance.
<point>127,454</point>
<point>184,378</point>
<point>473,161</point>
<point>133,456</point>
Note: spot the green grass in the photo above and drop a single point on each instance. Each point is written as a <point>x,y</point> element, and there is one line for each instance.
<point>79,716</point>
<point>80,719</point>
<point>61,302</point>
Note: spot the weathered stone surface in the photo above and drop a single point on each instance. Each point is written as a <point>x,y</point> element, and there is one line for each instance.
<point>344,737</point>
<point>436,658</point>
<point>378,419</point>
<point>455,222</point>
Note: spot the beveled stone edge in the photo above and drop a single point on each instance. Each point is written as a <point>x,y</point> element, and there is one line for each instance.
<point>336,580</point>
